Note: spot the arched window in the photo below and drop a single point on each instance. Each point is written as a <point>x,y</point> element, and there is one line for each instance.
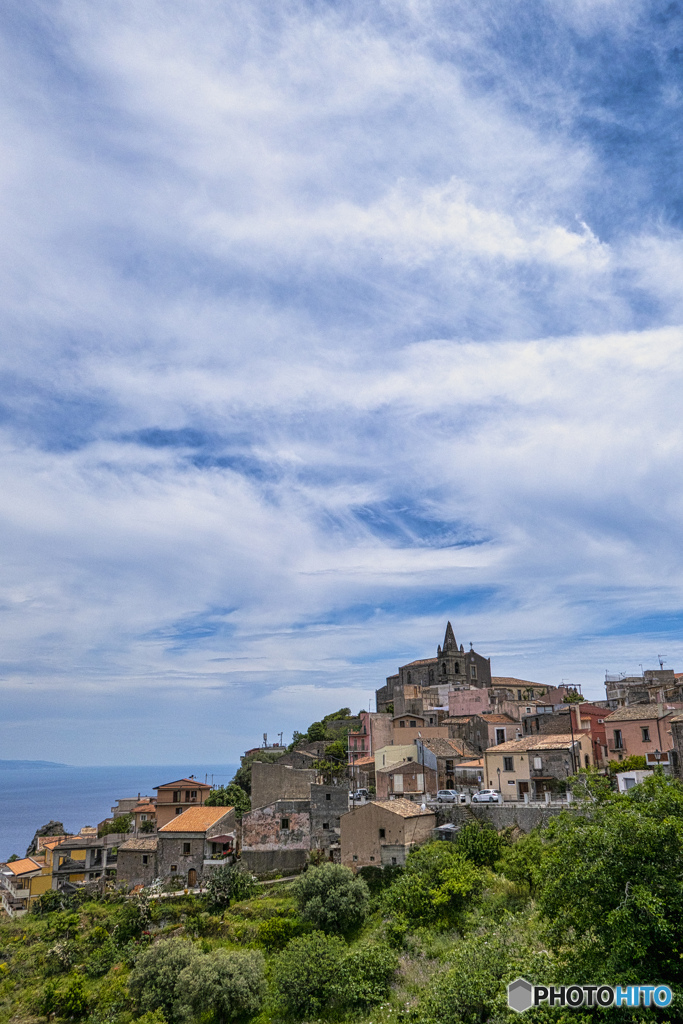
<point>443,668</point>
<point>457,668</point>
<point>431,675</point>
<point>409,678</point>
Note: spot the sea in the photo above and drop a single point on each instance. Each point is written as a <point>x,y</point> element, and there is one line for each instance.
<point>33,793</point>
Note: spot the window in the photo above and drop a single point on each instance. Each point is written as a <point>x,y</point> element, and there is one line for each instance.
<point>538,764</point>
<point>443,669</point>
<point>588,761</point>
<point>328,796</point>
<point>500,736</point>
<point>174,867</point>
<point>413,725</point>
<point>179,810</point>
<point>431,721</point>
<point>186,849</point>
<point>177,796</point>
<point>382,833</point>
<point>431,675</point>
<point>519,694</point>
<point>145,858</point>
<point>143,817</point>
<point>473,671</point>
<point>193,794</point>
<point>393,860</point>
<point>645,730</point>
<point>457,668</point>
<point>409,759</point>
<point>618,742</point>
<point>402,724</point>
<point>284,824</point>
<point>372,858</point>
<point>449,766</point>
<point>355,857</point>
<point>508,764</point>
<point>326,824</point>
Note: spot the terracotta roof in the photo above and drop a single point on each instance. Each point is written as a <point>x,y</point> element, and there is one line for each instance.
<point>505,719</point>
<point>636,712</point>
<point>421,661</point>
<point>401,764</point>
<point>49,844</point>
<point>146,808</point>
<point>446,748</point>
<point>190,783</point>
<point>404,808</point>
<point>364,760</point>
<point>552,741</point>
<point>407,714</point>
<point>21,867</point>
<point>145,845</point>
<point>196,819</point>
<point>471,764</point>
<point>458,719</point>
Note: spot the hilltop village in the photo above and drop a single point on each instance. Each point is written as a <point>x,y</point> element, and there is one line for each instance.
<point>448,743</point>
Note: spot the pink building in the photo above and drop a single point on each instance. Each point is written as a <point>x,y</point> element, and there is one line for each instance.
<point>639,729</point>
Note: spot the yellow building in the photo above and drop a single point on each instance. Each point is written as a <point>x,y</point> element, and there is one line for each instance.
<point>534,765</point>
<point>22,881</point>
<point>394,753</point>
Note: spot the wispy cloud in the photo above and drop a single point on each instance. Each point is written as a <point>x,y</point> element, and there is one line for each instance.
<point>323,324</point>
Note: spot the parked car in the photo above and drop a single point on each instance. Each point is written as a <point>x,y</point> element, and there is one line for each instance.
<point>487,796</point>
<point>447,796</point>
<point>360,794</point>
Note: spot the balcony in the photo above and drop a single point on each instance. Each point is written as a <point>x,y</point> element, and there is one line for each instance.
<point>218,862</point>
<point>13,906</point>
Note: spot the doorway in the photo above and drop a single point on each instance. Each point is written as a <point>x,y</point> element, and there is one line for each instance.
<point>192,878</point>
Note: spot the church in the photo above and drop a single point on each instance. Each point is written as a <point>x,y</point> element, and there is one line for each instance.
<point>427,682</point>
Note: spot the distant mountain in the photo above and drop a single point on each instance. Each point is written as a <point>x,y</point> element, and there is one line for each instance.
<point>32,764</point>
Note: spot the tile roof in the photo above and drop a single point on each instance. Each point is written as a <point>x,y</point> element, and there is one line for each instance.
<point>196,819</point>
<point>404,808</point>
<point>471,764</point>
<point>401,764</point>
<point>23,866</point>
<point>144,845</point>
<point>146,808</point>
<point>458,719</point>
<point>421,661</point>
<point>638,712</point>
<point>49,844</point>
<point>498,719</point>
<point>511,681</point>
<point>551,741</point>
<point>190,783</point>
<point>365,760</point>
<point>446,748</point>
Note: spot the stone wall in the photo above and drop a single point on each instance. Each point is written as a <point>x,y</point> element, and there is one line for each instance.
<point>271,782</point>
<point>525,816</point>
<point>262,827</point>
<point>265,862</point>
<point>173,862</point>
<point>328,803</point>
<point>131,870</point>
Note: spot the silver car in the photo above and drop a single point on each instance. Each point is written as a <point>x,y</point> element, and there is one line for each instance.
<point>447,796</point>
<point>487,796</point>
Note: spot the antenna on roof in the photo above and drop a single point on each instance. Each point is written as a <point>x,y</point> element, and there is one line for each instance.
<point>660,658</point>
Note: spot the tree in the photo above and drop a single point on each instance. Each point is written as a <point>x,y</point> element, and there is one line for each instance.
<point>365,975</point>
<point>224,985</point>
<point>337,716</point>
<point>633,763</point>
<point>336,751</point>
<point>332,898</point>
<point>316,731</point>
<point>231,795</point>
<point>480,843</point>
<point>573,697</point>
<point>242,776</point>
<point>438,884</point>
<point>611,886</point>
<point>228,884</point>
<point>521,862</point>
<point>330,770</point>
<point>122,824</point>
<point>305,973</point>
<point>12,858</point>
<point>155,979</point>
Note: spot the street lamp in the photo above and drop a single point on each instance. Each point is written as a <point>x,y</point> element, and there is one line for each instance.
<point>658,756</point>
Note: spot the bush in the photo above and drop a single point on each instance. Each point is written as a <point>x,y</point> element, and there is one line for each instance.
<point>378,879</point>
<point>331,897</point>
<point>72,1002</point>
<point>438,884</point>
<point>276,932</point>
<point>121,824</point>
<point>366,974</point>
<point>100,960</point>
<point>231,795</point>
<point>226,985</point>
<point>154,981</point>
<point>227,885</point>
<point>305,973</point>
<point>521,862</point>
<point>481,844</point>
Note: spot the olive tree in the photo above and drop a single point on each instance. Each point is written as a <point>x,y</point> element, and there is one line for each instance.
<point>331,897</point>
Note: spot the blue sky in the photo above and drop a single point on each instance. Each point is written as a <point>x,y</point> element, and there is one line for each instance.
<point>324,323</point>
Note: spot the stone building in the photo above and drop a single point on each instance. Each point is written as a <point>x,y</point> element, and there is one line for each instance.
<point>426,682</point>
<point>185,844</point>
<point>292,813</point>
<point>408,779</point>
<point>137,862</point>
<point>654,686</point>
<point>534,765</point>
<point>383,833</point>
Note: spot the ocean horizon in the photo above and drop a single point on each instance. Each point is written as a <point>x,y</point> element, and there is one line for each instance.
<point>33,793</point>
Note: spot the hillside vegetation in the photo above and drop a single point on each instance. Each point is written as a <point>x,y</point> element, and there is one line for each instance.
<point>596,896</point>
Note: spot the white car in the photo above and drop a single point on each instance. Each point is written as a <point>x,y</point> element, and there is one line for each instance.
<point>487,796</point>
<point>449,796</point>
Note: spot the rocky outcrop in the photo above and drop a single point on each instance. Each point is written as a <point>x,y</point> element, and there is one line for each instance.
<point>53,828</point>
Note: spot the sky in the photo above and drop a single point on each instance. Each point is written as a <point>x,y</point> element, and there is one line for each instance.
<point>324,323</point>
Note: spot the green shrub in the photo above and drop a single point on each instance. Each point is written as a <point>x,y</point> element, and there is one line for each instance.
<point>72,1002</point>
<point>100,960</point>
<point>151,1017</point>
<point>229,884</point>
<point>305,973</point>
<point>378,879</point>
<point>438,884</point>
<point>331,897</point>
<point>276,932</point>
<point>231,795</point>
<point>473,988</point>
<point>154,981</point>
<point>365,975</point>
<point>481,844</point>
<point>224,985</point>
<point>121,824</point>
